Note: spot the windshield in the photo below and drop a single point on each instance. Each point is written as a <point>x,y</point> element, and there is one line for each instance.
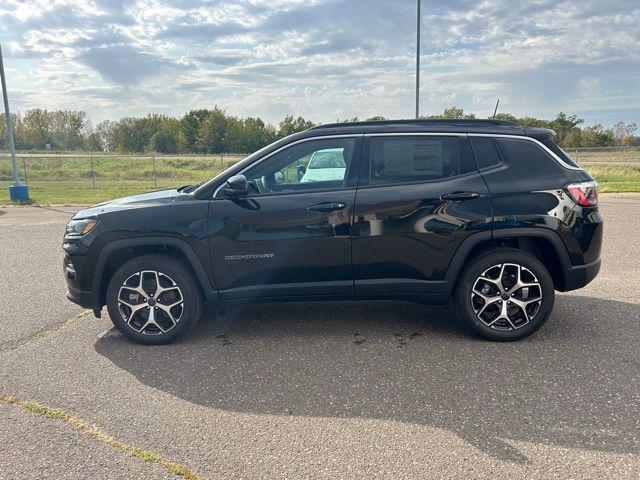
<point>332,158</point>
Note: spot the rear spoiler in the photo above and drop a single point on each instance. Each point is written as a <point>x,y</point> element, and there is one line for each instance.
<point>538,133</point>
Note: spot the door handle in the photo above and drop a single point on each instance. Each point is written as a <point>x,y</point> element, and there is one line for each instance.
<point>460,196</point>
<point>327,207</point>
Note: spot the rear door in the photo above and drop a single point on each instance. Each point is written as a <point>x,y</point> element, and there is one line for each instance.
<point>420,196</point>
<point>291,235</point>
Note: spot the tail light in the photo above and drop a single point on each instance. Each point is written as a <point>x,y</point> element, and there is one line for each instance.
<point>584,194</point>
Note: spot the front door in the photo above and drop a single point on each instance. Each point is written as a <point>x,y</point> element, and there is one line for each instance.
<point>291,235</point>
<point>419,197</point>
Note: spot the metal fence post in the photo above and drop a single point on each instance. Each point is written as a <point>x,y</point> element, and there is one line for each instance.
<point>155,174</point>
<point>577,153</point>
<point>93,175</point>
<point>222,162</point>
<point>24,168</point>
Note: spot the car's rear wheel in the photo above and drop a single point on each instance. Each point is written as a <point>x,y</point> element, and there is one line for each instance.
<point>153,299</point>
<point>504,294</point>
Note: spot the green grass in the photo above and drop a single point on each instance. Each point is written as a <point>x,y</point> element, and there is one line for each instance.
<point>57,179</point>
<point>80,180</point>
<point>616,177</point>
<point>96,433</point>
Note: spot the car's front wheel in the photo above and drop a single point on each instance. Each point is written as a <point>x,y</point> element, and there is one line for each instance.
<point>153,299</point>
<point>504,294</point>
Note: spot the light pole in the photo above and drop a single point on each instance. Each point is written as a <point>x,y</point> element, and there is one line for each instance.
<point>418,62</point>
<point>16,191</point>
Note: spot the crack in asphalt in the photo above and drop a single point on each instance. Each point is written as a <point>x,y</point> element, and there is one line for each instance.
<point>97,433</point>
<point>45,332</point>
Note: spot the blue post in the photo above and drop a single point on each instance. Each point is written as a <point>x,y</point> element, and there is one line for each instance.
<point>17,192</point>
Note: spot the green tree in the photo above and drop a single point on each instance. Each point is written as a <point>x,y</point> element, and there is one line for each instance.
<point>528,121</point>
<point>130,136</point>
<point>68,129</point>
<point>597,136</point>
<point>91,141</point>
<point>234,135</point>
<point>291,125</point>
<point>623,132</point>
<point>35,130</point>
<point>189,127</point>
<point>162,142</point>
<point>453,113</point>
<point>105,131</point>
<point>256,135</point>
<point>563,124</point>
<point>210,137</point>
<point>506,117</point>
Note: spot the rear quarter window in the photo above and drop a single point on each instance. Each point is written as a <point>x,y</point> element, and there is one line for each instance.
<point>559,152</point>
<point>526,155</point>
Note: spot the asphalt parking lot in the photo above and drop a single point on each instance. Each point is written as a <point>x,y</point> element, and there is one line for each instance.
<point>331,390</point>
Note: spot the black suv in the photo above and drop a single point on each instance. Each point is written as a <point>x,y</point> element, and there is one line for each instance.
<point>489,213</point>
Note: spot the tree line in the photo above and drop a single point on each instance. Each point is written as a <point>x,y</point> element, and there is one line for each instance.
<point>213,131</point>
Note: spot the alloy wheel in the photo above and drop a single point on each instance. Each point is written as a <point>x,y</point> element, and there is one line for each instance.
<point>150,302</point>
<point>506,296</point>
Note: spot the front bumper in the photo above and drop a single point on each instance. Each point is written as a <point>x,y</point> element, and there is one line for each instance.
<point>75,293</point>
<point>578,276</point>
<point>82,298</point>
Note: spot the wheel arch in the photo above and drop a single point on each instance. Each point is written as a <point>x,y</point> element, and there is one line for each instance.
<point>543,243</point>
<point>116,253</point>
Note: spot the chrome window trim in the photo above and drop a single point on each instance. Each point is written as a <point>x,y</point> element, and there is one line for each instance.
<point>416,134</point>
<point>488,135</point>
<point>308,139</point>
<point>530,139</point>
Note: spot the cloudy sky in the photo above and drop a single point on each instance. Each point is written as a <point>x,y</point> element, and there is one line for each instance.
<point>323,59</point>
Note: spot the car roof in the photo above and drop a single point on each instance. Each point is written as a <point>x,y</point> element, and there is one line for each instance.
<point>489,126</point>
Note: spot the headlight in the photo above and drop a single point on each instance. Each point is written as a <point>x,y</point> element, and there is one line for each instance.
<point>78,228</point>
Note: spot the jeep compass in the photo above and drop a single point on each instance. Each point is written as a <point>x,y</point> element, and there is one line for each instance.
<point>490,214</point>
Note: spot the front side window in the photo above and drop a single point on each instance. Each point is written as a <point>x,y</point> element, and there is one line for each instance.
<point>312,165</point>
<point>418,158</point>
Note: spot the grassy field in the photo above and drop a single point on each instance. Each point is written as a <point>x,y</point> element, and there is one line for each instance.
<point>88,179</point>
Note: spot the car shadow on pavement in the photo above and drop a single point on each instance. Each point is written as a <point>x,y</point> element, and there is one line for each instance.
<point>573,384</point>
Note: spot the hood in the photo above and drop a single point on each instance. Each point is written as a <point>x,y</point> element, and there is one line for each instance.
<point>135,201</point>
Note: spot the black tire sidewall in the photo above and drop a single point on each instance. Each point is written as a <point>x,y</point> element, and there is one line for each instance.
<point>482,263</point>
<point>176,271</point>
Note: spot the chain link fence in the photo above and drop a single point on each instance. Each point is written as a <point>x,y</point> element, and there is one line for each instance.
<point>93,177</point>
<point>605,155</point>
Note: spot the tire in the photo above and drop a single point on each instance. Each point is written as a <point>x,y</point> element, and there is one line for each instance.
<point>495,314</point>
<point>132,299</point>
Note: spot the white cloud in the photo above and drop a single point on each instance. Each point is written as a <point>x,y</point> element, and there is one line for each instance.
<point>324,59</point>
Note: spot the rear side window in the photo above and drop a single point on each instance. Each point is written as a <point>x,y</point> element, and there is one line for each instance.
<point>486,153</point>
<point>418,158</point>
<point>525,154</point>
<point>559,152</point>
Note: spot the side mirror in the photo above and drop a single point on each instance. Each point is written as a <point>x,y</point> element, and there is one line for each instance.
<point>302,170</point>
<point>236,186</point>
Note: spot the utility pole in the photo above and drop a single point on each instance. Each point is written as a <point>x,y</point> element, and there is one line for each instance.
<point>16,191</point>
<point>418,62</point>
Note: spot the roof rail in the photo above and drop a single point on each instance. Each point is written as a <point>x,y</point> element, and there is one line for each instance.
<point>426,121</point>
